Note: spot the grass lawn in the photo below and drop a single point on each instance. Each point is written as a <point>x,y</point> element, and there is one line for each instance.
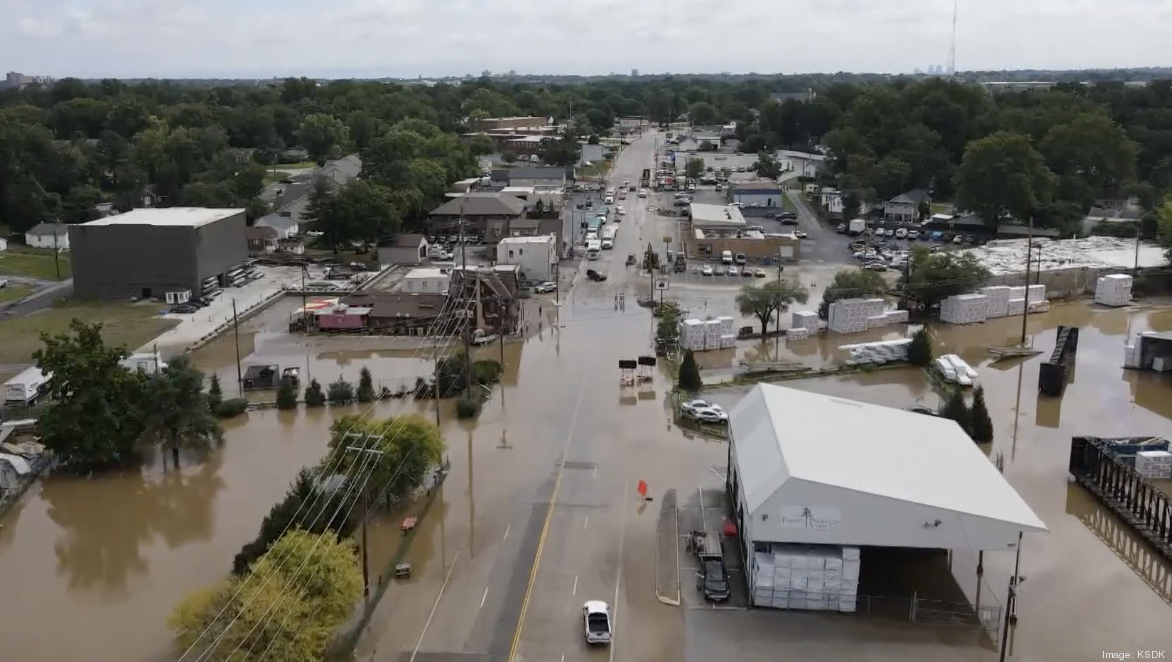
<point>788,204</point>
<point>33,263</point>
<point>126,324</point>
<point>592,172</point>
<point>941,207</point>
<point>304,165</point>
<point>274,177</point>
<point>13,292</point>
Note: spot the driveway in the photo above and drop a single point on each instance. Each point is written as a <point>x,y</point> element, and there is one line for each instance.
<point>824,245</point>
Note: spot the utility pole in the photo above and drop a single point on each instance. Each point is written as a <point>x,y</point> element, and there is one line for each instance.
<point>1025,313</point>
<point>436,391</point>
<point>1011,599</point>
<point>57,251</point>
<point>1134,271</point>
<point>236,336</point>
<point>365,440</point>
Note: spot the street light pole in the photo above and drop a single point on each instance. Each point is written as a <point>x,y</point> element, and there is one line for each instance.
<point>1025,313</point>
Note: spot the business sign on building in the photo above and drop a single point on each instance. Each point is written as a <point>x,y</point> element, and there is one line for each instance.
<point>813,518</point>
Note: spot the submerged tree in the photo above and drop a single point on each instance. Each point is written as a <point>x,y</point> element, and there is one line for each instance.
<point>177,413</point>
<point>365,386</point>
<point>765,301</point>
<point>919,351</point>
<point>957,410</point>
<point>690,379</point>
<point>981,424</point>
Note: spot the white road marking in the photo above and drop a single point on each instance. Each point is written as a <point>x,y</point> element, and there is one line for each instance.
<point>575,591</point>
<point>585,521</point>
<point>703,524</point>
<point>435,606</point>
<point>484,597</point>
<point>718,474</point>
<point>506,536</point>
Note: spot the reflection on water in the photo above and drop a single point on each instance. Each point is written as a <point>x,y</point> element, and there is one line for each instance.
<point>106,523</point>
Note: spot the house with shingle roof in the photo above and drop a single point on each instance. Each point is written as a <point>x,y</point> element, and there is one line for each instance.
<point>290,201</point>
<point>488,215</point>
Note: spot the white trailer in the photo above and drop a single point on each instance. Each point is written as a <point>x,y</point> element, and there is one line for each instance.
<point>24,388</point>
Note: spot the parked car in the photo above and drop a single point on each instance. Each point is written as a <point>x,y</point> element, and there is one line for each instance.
<point>595,275</point>
<point>706,271</point>
<point>714,416</point>
<point>786,215</point>
<point>912,235</point>
<point>642,193</point>
<point>901,233</point>
<point>692,405</point>
<point>185,309</point>
<point>739,258</point>
<point>547,286</point>
<point>759,273</point>
<point>800,235</point>
<point>747,272</point>
<point>841,229</point>
<point>958,239</point>
<point>712,580</point>
<point>875,266</point>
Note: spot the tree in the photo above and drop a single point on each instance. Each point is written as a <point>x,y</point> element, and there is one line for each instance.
<point>340,392</point>
<point>851,284</point>
<point>763,301</point>
<point>286,395</point>
<point>694,168</point>
<point>689,378</point>
<point>956,409</point>
<point>411,445</point>
<point>667,329</point>
<point>1092,157</point>
<point>321,135</point>
<point>1164,226</point>
<point>933,277</point>
<point>767,166</point>
<point>703,113</point>
<point>919,351</point>
<point>508,156</point>
<point>1003,175</point>
<point>97,407</point>
<point>480,144</point>
<point>365,386</point>
<point>980,423</point>
<point>177,410</point>
<point>313,395</point>
<point>593,139</point>
<point>312,503</point>
<point>215,393</point>
<point>289,607</point>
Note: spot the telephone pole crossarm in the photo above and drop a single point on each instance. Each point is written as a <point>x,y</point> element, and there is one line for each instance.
<point>371,445</point>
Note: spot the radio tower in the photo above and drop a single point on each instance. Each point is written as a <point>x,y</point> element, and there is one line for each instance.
<point>952,47</point>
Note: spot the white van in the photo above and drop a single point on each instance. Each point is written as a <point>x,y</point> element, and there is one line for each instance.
<point>726,257</point>
<point>610,199</point>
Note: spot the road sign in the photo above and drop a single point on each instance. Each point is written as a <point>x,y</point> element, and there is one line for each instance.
<point>661,283</point>
<point>667,239</point>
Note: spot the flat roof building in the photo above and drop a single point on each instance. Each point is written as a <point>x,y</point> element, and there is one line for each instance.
<point>157,253</point>
<point>818,469</point>
<point>716,217</point>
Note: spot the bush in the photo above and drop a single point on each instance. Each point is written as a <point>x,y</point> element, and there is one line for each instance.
<point>980,423</point>
<point>689,379</point>
<point>919,352</point>
<point>215,393</point>
<point>955,409</point>
<point>287,395</point>
<point>231,408</point>
<point>487,371</point>
<point>313,395</point>
<point>340,392</point>
<point>467,408</point>
<point>365,386</point>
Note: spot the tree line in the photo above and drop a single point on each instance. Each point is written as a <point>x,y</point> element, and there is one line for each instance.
<point>1046,155</point>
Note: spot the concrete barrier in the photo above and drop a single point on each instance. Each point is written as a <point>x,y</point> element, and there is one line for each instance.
<point>667,553</point>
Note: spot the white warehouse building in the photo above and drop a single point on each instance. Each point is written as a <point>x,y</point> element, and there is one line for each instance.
<point>536,256</point>
<point>425,280</point>
<point>808,468</point>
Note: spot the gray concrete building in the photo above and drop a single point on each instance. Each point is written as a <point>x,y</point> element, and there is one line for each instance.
<point>156,252</point>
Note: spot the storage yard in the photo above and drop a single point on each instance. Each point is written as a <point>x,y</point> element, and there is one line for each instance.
<point>1008,256</point>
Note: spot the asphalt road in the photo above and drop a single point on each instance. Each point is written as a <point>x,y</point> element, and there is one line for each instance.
<point>39,300</point>
<point>823,245</point>
<point>555,520</point>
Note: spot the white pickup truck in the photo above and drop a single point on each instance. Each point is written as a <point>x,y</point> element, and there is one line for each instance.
<point>596,620</point>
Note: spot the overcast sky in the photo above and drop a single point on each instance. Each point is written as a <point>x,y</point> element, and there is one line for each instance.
<point>371,38</point>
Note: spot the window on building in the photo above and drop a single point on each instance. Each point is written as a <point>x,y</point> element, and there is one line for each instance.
<point>520,251</point>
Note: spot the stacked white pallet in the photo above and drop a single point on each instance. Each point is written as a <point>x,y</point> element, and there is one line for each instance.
<point>728,337</point>
<point>947,370</point>
<point>851,315</point>
<point>797,333</point>
<point>1036,293</point>
<point>805,319</point>
<point>806,577</point>
<point>999,296</point>
<point>1042,306</point>
<point>1132,357</point>
<point>1156,465</point>
<point>712,333</point>
<point>848,590</point>
<point>1017,292</point>
<point>885,351</point>
<point>964,309</point>
<point>965,374</point>
<point>1016,307</point>
<point>692,335</point>
<point>896,316</point>
<point>1113,290</point>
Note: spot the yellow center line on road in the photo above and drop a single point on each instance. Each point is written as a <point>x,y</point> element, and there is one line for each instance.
<point>557,484</point>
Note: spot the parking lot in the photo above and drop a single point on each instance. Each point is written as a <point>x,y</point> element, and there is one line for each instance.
<point>706,509</point>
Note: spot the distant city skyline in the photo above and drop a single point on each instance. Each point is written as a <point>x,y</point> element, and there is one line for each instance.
<point>410,38</point>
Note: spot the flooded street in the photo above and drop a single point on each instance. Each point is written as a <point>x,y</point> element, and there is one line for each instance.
<point>539,511</point>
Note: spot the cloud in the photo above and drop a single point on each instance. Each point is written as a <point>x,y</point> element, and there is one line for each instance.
<point>95,38</point>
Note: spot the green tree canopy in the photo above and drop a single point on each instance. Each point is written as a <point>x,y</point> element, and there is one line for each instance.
<point>177,412</point>
<point>411,446</point>
<point>764,301</point>
<point>1001,176</point>
<point>933,277</point>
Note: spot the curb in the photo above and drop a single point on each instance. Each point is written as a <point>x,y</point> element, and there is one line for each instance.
<point>675,523</point>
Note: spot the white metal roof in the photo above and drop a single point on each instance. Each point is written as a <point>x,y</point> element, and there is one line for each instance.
<point>426,272</point>
<point>716,216</point>
<point>192,217</point>
<point>535,239</point>
<point>784,434</point>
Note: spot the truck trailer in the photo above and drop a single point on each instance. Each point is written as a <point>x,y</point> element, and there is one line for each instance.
<point>25,388</point>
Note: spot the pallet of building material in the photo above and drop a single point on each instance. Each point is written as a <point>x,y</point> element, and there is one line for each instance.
<point>1002,352</point>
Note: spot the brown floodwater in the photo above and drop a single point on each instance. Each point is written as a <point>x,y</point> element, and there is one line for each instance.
<point>107,558</point>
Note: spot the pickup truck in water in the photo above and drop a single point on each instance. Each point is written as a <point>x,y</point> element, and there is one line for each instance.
<point>596,620</point>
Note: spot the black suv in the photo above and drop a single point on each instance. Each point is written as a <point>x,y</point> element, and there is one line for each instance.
<point>595,276</point>
<point>713,580</point>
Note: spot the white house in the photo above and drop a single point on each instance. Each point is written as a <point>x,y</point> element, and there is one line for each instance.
<point>148,362</point>
<point>48,235</point>
<point>3,244</point>
<point>816,469</point>
<point>537,256</point>
<point>425,280</point>
<point>831,200</point>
